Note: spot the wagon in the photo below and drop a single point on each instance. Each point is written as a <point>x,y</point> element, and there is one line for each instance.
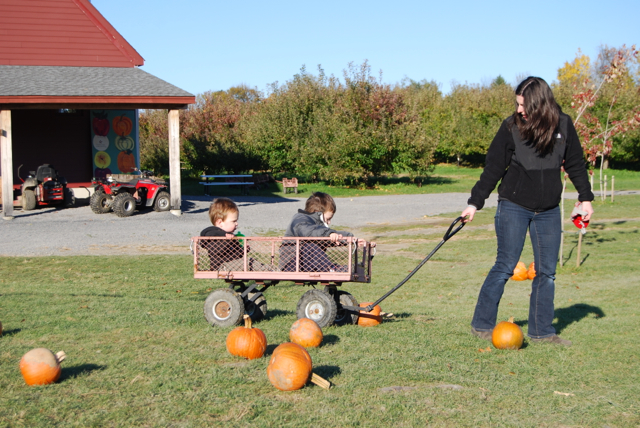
<point>250,265</point>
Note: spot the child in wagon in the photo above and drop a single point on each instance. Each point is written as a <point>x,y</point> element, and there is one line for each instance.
<point>224,214</point>
<point>314,221</point>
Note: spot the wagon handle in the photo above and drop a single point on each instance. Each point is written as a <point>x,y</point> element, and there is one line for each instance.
<point>450,232</point>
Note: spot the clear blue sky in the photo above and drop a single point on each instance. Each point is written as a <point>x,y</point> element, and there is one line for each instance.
<point>213,45</point>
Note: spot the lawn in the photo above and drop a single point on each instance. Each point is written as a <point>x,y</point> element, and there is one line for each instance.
<point>445,178</point>
<point>139,352</point>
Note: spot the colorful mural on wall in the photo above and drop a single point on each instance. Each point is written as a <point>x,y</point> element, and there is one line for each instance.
<point>114,138</point>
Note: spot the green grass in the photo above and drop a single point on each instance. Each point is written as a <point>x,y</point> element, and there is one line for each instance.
<point>139,352</point>
<point>444,179</point>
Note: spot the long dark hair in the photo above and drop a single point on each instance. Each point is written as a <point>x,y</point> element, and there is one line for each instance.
<point>543,114</point>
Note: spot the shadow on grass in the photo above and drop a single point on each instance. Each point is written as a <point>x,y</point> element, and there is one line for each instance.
<point>75,371</point>
<point>567,316</point>
<point>330,339</point>
<point>575,313</point>
<point>11,332</point>
<point>327,372</point>
<point>272,313</point>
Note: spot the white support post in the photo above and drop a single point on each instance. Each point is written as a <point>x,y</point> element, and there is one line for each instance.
<point>6,154</point>
<point>174,162</point>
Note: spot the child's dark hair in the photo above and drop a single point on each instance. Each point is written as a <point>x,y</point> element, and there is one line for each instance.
<point>220,208</point>
<point>321,202</point>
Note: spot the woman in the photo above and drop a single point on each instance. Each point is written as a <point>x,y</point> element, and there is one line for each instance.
<point>527,154</point>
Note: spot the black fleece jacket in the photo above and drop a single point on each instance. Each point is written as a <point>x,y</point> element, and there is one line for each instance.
<point>528,179</point>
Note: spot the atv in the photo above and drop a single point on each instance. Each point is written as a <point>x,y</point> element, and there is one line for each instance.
<point>122,193</point>
<point>44,187</point>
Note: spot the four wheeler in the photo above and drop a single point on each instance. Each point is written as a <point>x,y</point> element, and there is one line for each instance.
<point>44,187</point>
<point>114,193</point>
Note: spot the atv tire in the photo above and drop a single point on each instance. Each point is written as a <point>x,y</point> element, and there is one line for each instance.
<point>163,202</point>
<point>100,202</point>
<point>124,204</point>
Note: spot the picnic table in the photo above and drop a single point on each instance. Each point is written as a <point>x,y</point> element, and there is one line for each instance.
<point>229,180</point>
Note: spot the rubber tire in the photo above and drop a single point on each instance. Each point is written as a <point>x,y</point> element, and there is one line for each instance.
<point>319,306</point>
<point>100,202</point>
<point>29,200</point>
<point>223,308</point>
<point>162,202</point>
<point>69,198</point>
<point>124,204</point>
<point>256,310</point>
<point>343,316</point>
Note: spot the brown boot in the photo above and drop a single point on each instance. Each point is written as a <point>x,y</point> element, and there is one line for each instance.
<point>485,335</point>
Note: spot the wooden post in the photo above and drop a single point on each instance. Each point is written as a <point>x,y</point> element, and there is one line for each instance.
<point>579,248</point>
<point>612,186</point>
<point>174,162</point>
<point>604,188</point>
<point>564,189</point>
<point>6,168</point>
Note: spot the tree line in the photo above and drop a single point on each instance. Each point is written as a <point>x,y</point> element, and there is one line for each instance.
<point>356,128</point>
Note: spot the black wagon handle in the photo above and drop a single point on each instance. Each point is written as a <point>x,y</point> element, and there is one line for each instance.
<point>450,232</point>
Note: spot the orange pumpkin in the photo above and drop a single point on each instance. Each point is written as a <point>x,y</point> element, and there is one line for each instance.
<point>290,367</point>
<point>122,125</point>
<point>370,319</point>
<point>531,273</point>
<point>306,332</point>
<point>246,342</point>
<point>40,367</point>
<point>126,162</point>
<point>507,335</point>
<point>520,272</point>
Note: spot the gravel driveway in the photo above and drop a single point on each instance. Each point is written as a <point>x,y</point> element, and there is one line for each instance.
<point>77,231</point>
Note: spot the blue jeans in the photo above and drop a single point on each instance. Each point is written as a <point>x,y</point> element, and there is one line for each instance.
<point>512,222</point>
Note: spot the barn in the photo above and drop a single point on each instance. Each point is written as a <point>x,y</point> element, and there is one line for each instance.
<point>70,90</point>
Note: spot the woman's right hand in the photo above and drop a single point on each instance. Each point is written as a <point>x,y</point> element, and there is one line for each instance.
<point>468,213</point>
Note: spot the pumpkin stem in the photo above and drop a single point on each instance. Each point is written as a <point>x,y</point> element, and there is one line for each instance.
<point>321,382</point>
<point>60,356</point>
<point>511,319</point>
<point>247,321</point>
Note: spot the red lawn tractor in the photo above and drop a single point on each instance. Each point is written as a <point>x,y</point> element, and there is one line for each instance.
<point>121,193</point>
<point>44,187</point>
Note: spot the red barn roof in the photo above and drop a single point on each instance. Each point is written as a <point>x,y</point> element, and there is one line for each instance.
<point>61,33</point>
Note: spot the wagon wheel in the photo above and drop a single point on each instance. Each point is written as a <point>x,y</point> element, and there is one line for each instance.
<point>318,306</point>
<point>223,308</point>
<point>257,309</point>
<point>345,316</point>
<point>100,202</point>
<point>124,205</point>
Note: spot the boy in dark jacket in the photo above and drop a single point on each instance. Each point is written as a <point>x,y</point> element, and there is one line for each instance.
<point>223,214</point>
<point>313,221</point>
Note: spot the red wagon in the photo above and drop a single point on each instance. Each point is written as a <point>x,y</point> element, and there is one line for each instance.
<point>250,265</point>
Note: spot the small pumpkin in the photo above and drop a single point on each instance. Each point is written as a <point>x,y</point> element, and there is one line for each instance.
<point>246,342</point>
<point>126,162</point>
<point>531,273</point>
<point>124,143</point>
<point>40,367</point>
<point>306,332</point>
<point>507,335</point>
<point>290,367</point>
<point>370,319</point>
<point>520,272</point>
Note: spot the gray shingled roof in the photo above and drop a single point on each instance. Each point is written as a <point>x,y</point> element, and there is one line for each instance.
<point>18,80</point>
